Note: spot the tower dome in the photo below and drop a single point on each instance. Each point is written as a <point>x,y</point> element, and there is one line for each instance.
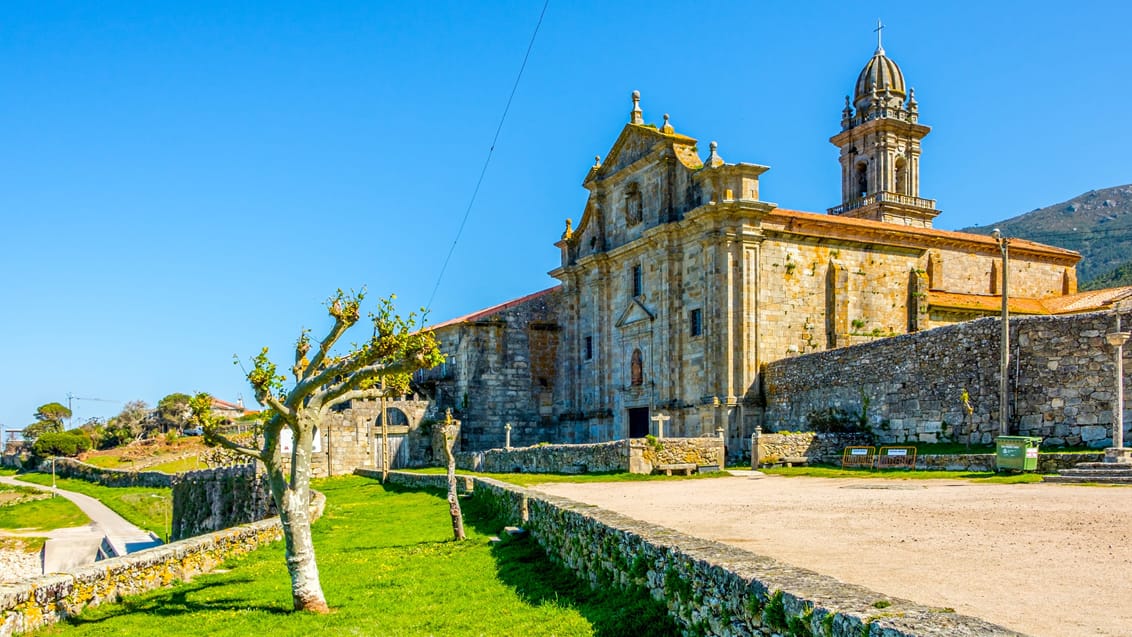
<point>882,74</point>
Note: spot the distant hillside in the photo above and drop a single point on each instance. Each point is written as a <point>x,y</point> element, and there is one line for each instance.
<point>1116,278</point>
<point>1098,224</point>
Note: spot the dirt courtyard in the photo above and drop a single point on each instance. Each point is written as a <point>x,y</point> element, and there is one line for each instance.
<point>1048,560</point>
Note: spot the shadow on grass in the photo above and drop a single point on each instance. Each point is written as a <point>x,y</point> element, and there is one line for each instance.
<point>175,602</point>
<point>522,564</point>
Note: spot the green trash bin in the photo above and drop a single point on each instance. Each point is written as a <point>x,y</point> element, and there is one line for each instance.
<point>1019,453</point>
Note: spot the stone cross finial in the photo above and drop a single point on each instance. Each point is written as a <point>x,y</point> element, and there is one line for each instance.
<point>667,128</point>
<point>636,117</point>
<point>660,419</point>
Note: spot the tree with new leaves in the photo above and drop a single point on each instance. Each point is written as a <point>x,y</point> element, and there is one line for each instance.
<point>380,366</point>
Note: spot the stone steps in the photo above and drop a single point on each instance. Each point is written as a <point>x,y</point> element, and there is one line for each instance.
<point>1094,472</point>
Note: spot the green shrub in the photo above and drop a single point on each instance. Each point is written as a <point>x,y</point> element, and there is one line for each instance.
<point>66,443</point>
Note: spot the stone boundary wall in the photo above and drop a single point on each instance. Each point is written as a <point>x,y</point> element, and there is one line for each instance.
<point>709,588</point>
<point>71,468</point>
<point>828,448</point>
<point>214,499</point>
<point>909,387</point>
<point>49,599</point>
<point>635,456</point>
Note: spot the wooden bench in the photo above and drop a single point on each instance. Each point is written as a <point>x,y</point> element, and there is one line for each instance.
<point>687,468</point>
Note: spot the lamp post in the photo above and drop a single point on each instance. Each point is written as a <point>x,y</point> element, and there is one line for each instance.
<point>1004,358</point>
<point>165,516</point>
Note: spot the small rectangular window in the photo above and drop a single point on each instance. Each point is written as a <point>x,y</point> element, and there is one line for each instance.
<point>696,322</point>
<point>637,287</point>
<point>589,347</point>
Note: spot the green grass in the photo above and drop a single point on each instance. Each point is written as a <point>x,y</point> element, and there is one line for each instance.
<point>5,471</point>
<point>39,514</point>
<point>108,462</point>
<point>136,504</point>
<point>528,479</point>
<point>902,474</point>
<point>192,463</point>
<point>388,567</point>
<point>23,543</point>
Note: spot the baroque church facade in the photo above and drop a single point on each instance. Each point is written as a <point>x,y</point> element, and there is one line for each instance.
<point>678,283</point>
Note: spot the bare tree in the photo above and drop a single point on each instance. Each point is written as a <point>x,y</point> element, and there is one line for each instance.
<point>324,381</point>
<point>450,430</point>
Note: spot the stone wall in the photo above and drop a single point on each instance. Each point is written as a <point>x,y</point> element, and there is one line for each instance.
<point>1061,383</point>
<point>815,447</point>
<point>351,437</point>
<point>499,369</point>
<point>71,468</point>
<point>636,455</point>
<point>709,588</point>
<point>52,598</point>
<point>214,499</point>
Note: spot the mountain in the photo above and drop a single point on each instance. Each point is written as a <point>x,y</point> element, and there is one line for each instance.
<point>1115,278</point>
<point>1098,224</point>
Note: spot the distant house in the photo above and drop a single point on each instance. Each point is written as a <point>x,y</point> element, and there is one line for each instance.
<point>228,411</point>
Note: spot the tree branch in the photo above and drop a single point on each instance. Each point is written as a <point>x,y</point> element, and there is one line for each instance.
<point>233,446</point>
<point>354,394</point>
<point>336,332</point>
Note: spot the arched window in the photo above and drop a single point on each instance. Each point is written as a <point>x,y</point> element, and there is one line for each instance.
<point>636,369</point>
<point>901,176</point>
<point>397,418</point>
<point>862,179</point>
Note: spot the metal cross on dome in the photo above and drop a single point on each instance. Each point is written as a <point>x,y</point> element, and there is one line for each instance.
<point>878,30</point>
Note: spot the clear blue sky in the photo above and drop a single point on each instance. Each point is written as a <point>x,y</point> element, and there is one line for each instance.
<point>181,182</point>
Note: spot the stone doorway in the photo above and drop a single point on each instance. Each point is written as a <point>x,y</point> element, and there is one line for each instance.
<point>638,422</point>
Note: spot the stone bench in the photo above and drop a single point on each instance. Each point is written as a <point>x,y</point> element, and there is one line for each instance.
<point>687,468</point>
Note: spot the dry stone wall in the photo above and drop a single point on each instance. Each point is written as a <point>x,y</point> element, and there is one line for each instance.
<point>52,598</point>
<point>636,455</point>
<point>71,468</point>
<point>909,387</point>
<point>710,588</point>
<point>214,499</point>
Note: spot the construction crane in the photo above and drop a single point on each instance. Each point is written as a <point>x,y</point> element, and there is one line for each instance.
<point>71,397</point>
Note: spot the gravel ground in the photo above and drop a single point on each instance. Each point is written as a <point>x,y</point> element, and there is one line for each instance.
<point>1044,559</point>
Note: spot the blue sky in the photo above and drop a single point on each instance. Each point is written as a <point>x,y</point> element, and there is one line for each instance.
<point>181,182</point>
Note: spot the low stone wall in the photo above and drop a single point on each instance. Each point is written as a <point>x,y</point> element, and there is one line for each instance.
<point>1047,462</point>
<point>771,448</point>
<point>636,455</point>
<point>710,588</point>
<point>52,598</point>
<point>71,468</point>
<point>644,454</point>
<point>214,499</point>
<point>598,457</point>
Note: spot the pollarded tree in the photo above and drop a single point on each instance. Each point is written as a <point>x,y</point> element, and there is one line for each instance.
<point>381,365</point>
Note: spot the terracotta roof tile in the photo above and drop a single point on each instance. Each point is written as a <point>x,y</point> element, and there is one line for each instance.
<point>1070,304</point>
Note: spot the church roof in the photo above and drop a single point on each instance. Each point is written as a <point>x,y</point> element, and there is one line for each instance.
<point>495,309</point>
<point>880,74</point>
<point>847,227</point>
<point>1090,301</point>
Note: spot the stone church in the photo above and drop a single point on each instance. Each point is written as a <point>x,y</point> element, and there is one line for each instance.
<point>678,283</point>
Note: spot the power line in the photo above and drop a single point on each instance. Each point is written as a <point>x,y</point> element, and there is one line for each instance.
<point>487,160</point>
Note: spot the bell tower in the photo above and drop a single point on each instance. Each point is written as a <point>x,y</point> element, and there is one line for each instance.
<point>880,148</point>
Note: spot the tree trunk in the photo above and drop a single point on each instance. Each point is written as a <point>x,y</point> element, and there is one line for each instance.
<point>453,498</point>
<point>293,501</point>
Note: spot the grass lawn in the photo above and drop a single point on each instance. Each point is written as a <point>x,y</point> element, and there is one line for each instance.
<point>26,508</point>
<point>136,504</point>
<point>180,465</point>
<point>528,479</point>
<point>903,474</point>
<point>388,567</point>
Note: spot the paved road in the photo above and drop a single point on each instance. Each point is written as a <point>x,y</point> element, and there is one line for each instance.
<point>123,536</point>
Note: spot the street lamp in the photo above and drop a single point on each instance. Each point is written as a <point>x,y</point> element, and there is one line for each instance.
<point>1004,358</point>
<point>165,516</point>
<point>1117,339</point>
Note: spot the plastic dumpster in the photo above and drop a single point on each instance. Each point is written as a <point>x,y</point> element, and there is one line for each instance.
<point>1019,453</point>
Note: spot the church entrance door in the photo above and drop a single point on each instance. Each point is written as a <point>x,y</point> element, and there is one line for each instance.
<point>638,422</point>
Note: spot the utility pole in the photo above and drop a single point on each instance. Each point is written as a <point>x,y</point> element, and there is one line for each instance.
<point>1004,358</point>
